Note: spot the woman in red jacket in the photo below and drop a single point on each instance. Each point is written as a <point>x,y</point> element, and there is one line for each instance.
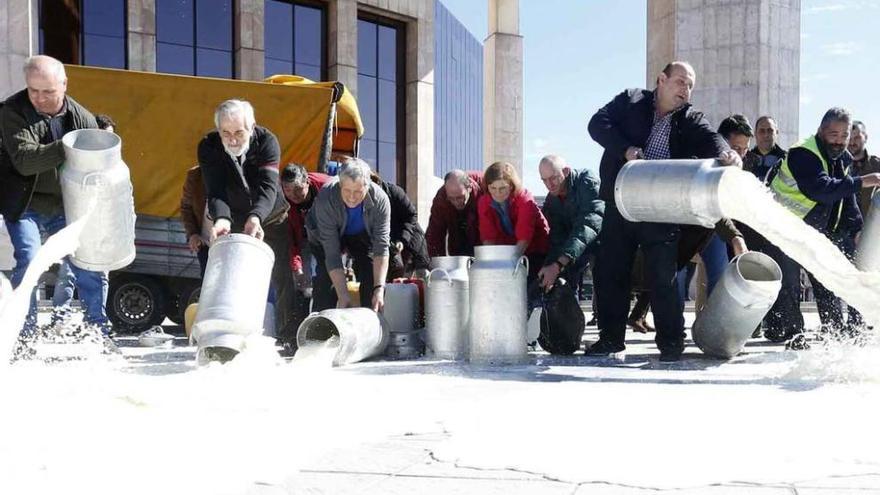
<point>509,215</point>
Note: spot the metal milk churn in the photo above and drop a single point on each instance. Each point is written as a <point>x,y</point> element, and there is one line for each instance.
<point>739,301</point>
<point>95,177</point>
<point>232,303</point>
<point>447,305</point>
<point>402,313</point>
<point>868,250</point>
<point>497,328</point>
<point>362,333</point>
<point>670,191</point>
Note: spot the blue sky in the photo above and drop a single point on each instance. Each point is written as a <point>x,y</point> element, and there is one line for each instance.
<point>579,53</point>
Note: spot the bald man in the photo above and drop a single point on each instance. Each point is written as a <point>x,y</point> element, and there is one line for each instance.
<point>32,123</point>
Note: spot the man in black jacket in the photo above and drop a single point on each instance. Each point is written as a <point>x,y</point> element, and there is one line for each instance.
<point>408,248</point>
<point>653,125</point>
<point>33,122</point>
<point>239,163</point>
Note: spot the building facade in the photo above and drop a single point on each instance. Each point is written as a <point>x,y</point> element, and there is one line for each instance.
<point>393,55</point>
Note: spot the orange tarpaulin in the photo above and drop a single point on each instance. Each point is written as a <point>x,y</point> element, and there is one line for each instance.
<point>162,117</point>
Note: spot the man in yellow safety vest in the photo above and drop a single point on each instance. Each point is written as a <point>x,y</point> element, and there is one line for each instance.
<point>814,184</point>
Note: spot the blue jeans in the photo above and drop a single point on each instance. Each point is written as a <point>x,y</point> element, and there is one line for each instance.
<point>26,240</point>
<point>715,260</point>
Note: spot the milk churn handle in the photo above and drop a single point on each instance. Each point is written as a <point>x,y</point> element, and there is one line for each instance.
<point>88,176</point>
<point>522,261</point>
<point>431,274</point>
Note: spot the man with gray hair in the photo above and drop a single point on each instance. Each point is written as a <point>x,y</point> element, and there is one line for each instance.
<point>814,185</point>
<point>453,227</point>
<point>239,162</point>
<point>574,212</point>
<point>351,214</point>
<point>33,122</point>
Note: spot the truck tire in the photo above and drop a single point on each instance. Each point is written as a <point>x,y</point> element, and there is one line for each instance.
<point>135,303</point>
<point>187,294</point>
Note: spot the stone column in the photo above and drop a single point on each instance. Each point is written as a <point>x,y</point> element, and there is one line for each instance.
<point>503,86</point>
<point>18,41</point>
<point>342,43</point>
<point>142,35</point>
<point>249,46</point>
<point>420,109</point>
<point>746,54</point>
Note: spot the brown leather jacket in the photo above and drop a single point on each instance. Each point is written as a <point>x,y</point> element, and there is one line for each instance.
<point>192,202</point>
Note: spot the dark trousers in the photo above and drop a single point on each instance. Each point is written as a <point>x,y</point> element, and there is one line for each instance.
<point>287,318</point>
<point>618,243</point>
<point>358,248</point>
<point>785,316</point>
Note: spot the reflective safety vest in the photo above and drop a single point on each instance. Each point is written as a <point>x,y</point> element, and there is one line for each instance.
<point>785,187</point>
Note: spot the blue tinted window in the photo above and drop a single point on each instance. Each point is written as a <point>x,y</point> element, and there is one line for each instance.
<point>379,91</point>
<point>214,24</point>
<point>307,35</point>
<point>294,33</point>
<point>104,51</point>
<point>213,63</point>
<point>104,17</point>
<point>175,59</point>
<point>102,30</point>
<point>367,105</point>
<point>387,110</point>
<point>387,160</point>
<point>312,72</point>
<point>194,37</point>
<point>278,32</point>
<point>367,48</point>
<point>175,21</point>
<point>387,53</point>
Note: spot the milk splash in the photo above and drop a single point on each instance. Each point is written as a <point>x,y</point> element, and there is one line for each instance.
<point>743,198</point>
<point>15,307</point>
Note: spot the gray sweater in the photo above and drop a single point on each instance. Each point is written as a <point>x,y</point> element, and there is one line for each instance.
<point>326,221</point>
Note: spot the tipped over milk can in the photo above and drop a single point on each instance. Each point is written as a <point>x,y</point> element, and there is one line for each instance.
<point>868,250</point>
<point>670,191</point>
<point>497,328</point>
<point>362,333</point>
<point>232,303</point>
<point>94,176</point>
<point>447,307</point>
<point>739,301</point>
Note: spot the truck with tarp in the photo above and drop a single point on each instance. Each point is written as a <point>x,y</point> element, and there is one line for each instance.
<point>161,119</point>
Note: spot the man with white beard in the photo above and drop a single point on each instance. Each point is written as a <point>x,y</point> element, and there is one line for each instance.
<point>239,163</point>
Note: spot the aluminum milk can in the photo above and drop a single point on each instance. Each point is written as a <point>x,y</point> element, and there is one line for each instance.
<point>739,301</point>
<point>232,303</point>
<point>94,176</point>
<point>362,333</point>
<point>868,250</point>
<point>447,305</point>
<point>497,328</point>
<point>670,191</point>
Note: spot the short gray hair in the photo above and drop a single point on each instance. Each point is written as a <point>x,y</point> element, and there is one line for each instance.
<point>355,169</point>
<point>44,64</point>
<point>836,114</point>
<point>459,175</point>
<point>235,107</point>
<point>555,161</point>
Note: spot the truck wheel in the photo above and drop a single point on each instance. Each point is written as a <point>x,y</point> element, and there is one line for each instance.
<point>187,295</point>
<point>135,303</point>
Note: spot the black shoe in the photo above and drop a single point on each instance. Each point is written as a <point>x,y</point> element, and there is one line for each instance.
<point>603,348</point>
<point>670,355</point>
<point>592,322</point>
<point>798,343</point>
<point>774,335</point>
